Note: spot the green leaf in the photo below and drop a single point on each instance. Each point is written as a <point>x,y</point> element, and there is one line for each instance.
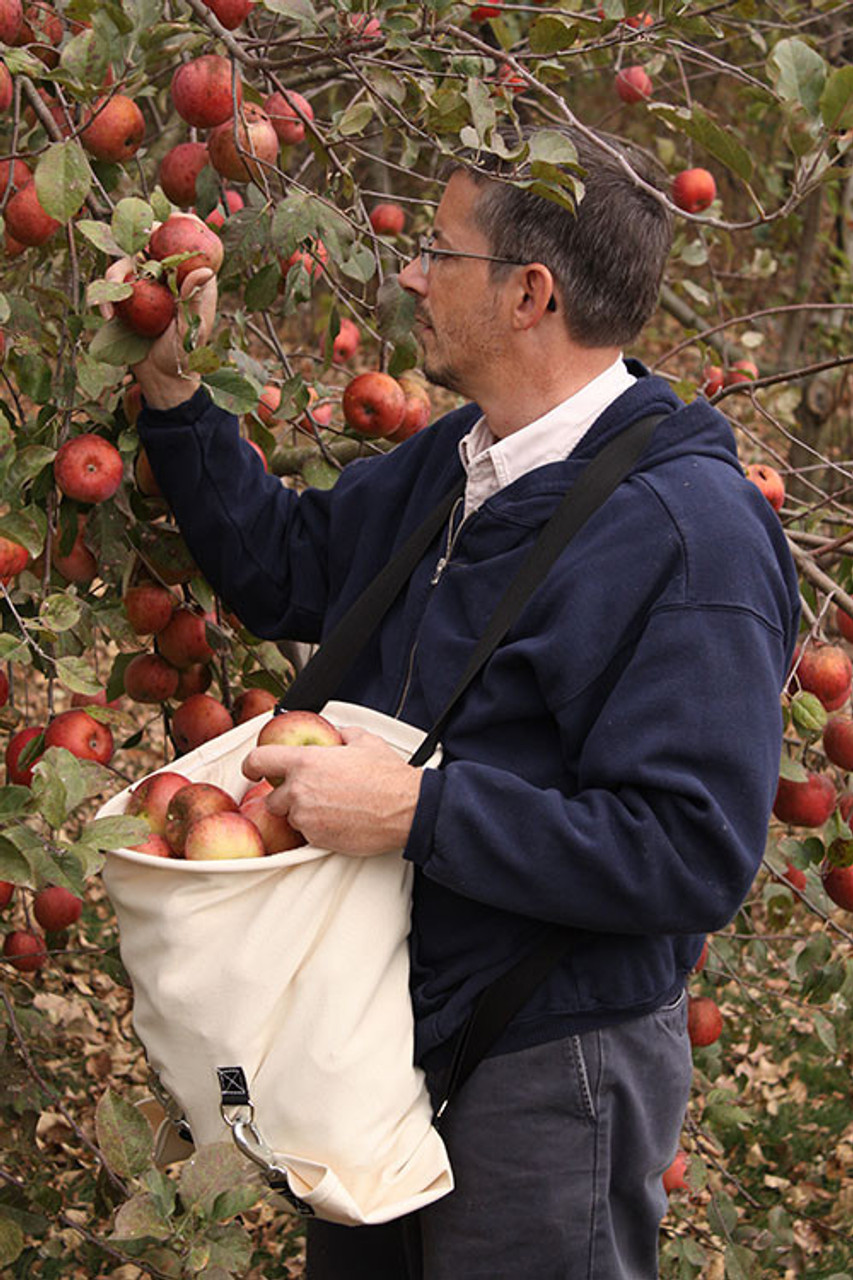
<point>11,1241</point>
<point>211,1171</point>
<point>58,785</point>
<point>114,833</point>
<point>63,179</point>
<point>107,291</point>
<point>798,73</point>
<point>132,221</point>
<point>14,800</point>
<point>23,63</point>
<point>302,11</point>
<point>61,613</point>
<point>320,474</point>
<point>552,147</point>
<point>35,378</point>
<point>14,867</point>
<point>232,392</point>
<point>808,713</point>
<point>29,527</point>
<point>230,1250</point>
<point>741,1262</point>
<point>100,235</point>
<point>360,265</point>
<point>792,770</point>
<point>77,675</point>
<point>114,343</point>
<point>233,1201</point>
<point>140,1217</point>
<point>395,309</point>
<point>355,119</point>
<point>262,289</point>
<point>482,104</point>
<point>549,34</point>
<point>719,142</point>
<point>836,101</point>
<point>124,1136</point>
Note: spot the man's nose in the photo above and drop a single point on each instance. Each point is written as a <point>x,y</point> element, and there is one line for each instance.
<point>412,277</point>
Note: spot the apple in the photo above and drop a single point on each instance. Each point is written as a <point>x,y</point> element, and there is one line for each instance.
<point>795,876</point>
<point>310,259</point>
<point>184,233</point>
<point>234,202</point>
<point>56,908</point>
<point>633,84</point>
<point>388,219</point>
<point>674,1178</point>
<point>113,129</point>
<point>843,622</point>
<point>769,482</point>
<point>7,890</point>
<point>418,409</point>
<point>183,640</point>
<point>4,688</point>
<point>25,951</point>
<point>7,88</point>
<point>13,559</point>
<point>321,413</point>
<point>26,220</point>
<point>149,310</point>
<point>11,20</point>
<point>262,788</point>
<point>845,805</point>
<point>150,678</point>
<point>198,720</point>
<point>346,340</point>
<point>838,741</point>
<point>231,12</point>
<point>190,804</point>
<point>131,402</point>
<point>704,1021</point>
<point>21,775</point>
<point>98,699</point>
<point>251,703</point>
<point>693,190</point>
<point>79,564</point>
<point>42,31</point>
<point>299,729</point>
<point>374,404</point>
<point>838,883</point>
<point>511,80</point>
<point>826,671</point>
<point>639,20</point>
<point>80,734</point>
<point>284,111</point>
<point>223,835</point>
<point>155,846</point>
<point>362,27</point>
<point>14,173</point>
<point>741,371</point>
<point>88,468</point>
<point>276,832</point>
<point>702,958</point>
<point>149,607</point>
<point>146,481</point>
<point>196,678</point>
<point>804,804</point>
<point>482,12</point>
<point>150,799</point>
<point>179,170</point>
<point>201,91</point>
<point>713,379</point>
<point>268,404</point>
<point>240,153</point>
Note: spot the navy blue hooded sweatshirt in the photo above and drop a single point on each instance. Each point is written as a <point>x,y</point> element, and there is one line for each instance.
<point>612,769</point>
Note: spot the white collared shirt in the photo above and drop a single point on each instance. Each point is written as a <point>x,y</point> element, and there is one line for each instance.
<point>491,464</point>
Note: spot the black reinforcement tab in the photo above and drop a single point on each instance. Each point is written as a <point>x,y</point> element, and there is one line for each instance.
<point>233,1087</point>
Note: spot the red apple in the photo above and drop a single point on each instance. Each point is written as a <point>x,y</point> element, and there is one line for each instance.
<point>310,259</point>
<point>21,775</point>
<point>704,1021</point>
<point>56,908</point>
<point>149,310</point>
<point>418,409</point>
<point>838,741</point>
<point>276,832</point>
<point>674,1178</point>
<point>196,678</point>
<point>80,734</point>
<point>838,883</point>
<point>190,804</point>
<point>184,233</point>
<point>198,720</point>
<point>114,129</point>
<point>713,380</point>
<point>26,220</point>
<point>826,671</point>
<point>150,799</point>
<point>299,729</point>
<point>286,118</point>
<point>346,341</point>
<point>79,564</point>
<point>42,31</point>
<point>268,404</point>
<point>805,804</point>
<point>150,678</point>
<point>693,190</point>
<point>769,482</point>
<point>251,703</point>
<point>234,202</point>
<point>702,959</point>
<point>146,481</point>
<point>179,170</point>
<point>88,468</point>
<point>242,154</point>
<point>374,404</point>
<point>13,559</point>
<point>201,91</point>
<point>149,607</point>
<point>741,371</point>
<point>7,890</point>
<point>231,12</point>
<point>25,951</point>
<point>11,20</point>
<point>795,876</point>
<point>4,688</point>
<point>223,835</point>
<point>183,641</point>
<point>633,84</point>
<point>7,88</point>
<point>14,173</point>
<point>482,12</point>
<point>155,846</point>
<point>362,27</point>
<point>388,219</point>
<point>639,20</point>
<point>262,788</point>
<point>843,622</point>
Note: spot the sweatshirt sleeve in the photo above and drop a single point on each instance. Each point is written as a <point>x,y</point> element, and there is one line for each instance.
<point>666,826</point>
<point>263,549</point>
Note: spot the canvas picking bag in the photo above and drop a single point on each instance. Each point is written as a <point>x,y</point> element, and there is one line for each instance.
<point>271,996</point>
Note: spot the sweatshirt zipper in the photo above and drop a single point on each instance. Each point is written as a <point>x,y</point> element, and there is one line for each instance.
<point>441,565</point>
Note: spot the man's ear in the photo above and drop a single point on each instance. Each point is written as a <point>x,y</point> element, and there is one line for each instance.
<point>535,296</point>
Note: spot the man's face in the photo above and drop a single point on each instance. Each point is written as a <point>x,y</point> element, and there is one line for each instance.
<point>458,318</point>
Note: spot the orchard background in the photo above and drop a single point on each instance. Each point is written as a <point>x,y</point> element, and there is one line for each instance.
<point>757,95</point>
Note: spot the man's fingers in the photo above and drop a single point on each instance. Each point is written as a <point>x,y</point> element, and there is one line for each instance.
<point>195,281</point>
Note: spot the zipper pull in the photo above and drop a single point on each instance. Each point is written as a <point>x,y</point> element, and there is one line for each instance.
<point>439,570</point>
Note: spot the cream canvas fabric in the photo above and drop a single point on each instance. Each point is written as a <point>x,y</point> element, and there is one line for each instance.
<point>294,968</point>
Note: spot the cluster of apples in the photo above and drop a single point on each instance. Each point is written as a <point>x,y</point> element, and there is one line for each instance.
<point>55,909</point>
<point>201,821</point>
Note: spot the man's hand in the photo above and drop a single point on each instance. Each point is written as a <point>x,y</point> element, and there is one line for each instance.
<point>162,375</point>
<point>358,799</point>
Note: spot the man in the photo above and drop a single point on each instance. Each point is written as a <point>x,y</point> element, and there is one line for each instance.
<point>610,772</point>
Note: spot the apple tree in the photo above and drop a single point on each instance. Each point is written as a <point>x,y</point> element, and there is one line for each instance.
<point>310,142</point>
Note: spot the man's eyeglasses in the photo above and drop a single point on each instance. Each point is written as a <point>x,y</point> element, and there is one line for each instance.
<point>427,250</point>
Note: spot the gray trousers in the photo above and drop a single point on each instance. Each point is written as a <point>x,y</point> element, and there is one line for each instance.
<point>557,1153</point>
